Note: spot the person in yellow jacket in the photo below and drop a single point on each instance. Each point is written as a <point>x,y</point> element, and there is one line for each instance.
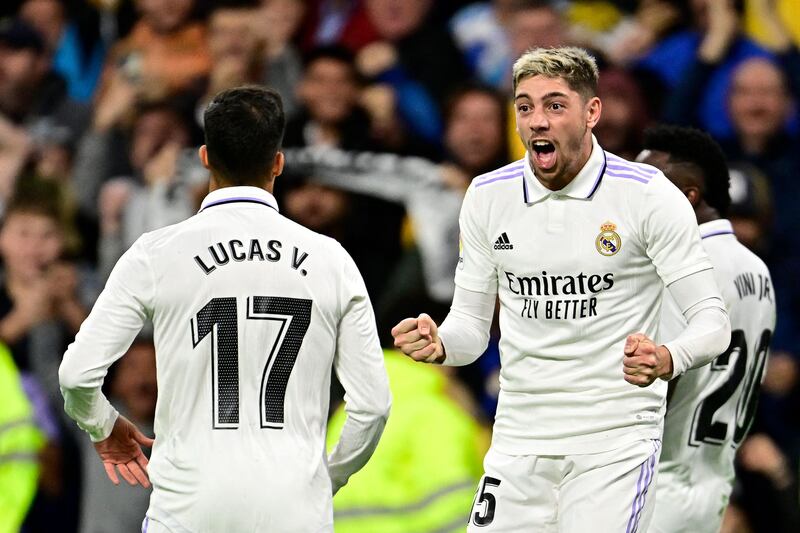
<point>410,485</point>
<point>20,442</point>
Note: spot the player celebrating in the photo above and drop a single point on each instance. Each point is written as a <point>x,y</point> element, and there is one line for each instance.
<point>578,244</point>
<point>710,409</point>
<point>250,312</point>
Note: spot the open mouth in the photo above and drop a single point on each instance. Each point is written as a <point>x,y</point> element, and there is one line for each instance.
<point>544,154</point>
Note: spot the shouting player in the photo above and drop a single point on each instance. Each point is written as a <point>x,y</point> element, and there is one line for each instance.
<point>251,311</point>
<point>710,409</point>
<point>578,244</point>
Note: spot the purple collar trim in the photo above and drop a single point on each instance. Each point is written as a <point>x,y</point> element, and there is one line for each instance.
<point>242,199</point>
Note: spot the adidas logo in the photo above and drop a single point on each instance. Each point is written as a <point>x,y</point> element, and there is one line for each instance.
<point>502,243</point>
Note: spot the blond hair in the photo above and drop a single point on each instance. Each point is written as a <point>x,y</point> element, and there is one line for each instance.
<point>572,64</point>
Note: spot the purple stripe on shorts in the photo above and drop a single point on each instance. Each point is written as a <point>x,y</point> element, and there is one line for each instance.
<point>146,523</point>
<point>651,472</point>
<point>627,177</point>
<point>635,503</point>
<point>499,178</point>
<point>646,472</point>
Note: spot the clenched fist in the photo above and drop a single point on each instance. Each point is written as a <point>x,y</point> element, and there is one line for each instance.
<point>644,362</point>
<point>418,338</point>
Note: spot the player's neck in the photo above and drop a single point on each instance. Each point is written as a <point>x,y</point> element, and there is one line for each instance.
<point>215,183</point>
<point>706,213</point>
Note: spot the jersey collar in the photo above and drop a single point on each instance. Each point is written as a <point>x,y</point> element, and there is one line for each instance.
<point>243,194</point>
<point>720,226</point>
<point>582,187</point>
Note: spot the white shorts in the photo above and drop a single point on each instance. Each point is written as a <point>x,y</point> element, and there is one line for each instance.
<point>606,492</point>
<point>689,508</point>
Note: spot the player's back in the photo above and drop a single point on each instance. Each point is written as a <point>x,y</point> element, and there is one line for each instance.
<point>711,408</point>
<point>246,310</point>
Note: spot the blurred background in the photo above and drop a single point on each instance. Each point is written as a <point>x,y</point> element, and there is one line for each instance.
<point>100,116</point>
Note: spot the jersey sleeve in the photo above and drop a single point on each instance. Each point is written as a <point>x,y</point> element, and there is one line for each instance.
<point>476,270</point>
<point>671,237</point>
<point>105,335</point>
<point>360,368</point>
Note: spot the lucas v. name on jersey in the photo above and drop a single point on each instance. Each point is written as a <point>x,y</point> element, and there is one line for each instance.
<point>566,285</point>
<point>221,253</point>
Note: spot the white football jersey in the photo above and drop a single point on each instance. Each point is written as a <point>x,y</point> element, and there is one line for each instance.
<point>577,271</point>
<point>251,311</point>
<point>712,407</point>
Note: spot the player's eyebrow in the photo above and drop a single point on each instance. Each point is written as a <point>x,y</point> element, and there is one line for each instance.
<point>555,94</point>
<point>552,94</point>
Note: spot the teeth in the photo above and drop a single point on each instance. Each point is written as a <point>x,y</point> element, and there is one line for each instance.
<point>541,143</point>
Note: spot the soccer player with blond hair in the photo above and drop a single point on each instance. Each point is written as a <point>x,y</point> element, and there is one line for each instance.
<point>578,244</point>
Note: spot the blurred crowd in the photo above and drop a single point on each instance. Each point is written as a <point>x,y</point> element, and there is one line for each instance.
<point>393,107</point>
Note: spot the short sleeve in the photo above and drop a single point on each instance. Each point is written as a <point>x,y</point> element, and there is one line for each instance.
<point>670,231</point>
<point>476,270</point>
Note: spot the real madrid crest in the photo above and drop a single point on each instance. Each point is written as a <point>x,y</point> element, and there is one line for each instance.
<point>609,241</point>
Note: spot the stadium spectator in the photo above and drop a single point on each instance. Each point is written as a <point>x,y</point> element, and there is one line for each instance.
<point>32,96</point>
<point>29,89</point>
<point>402,59</point>
<point>765,501</point>
<point>763,30</point>
<point>155,194</point>
<point>235,49</point>
<point>475,123</point>
<point>166,50</point>
<point>72,35</point>
<point>40,294</point>
<point>623,36</point>
<point>761,105</point>
<point>625,113</point>
<point>751,207</point>
<point>42,303</point>
<point>276,25</point>
<point>329,113</point>
<point>336,22</point>
<point>535,24</point>
<point>697,64</point>
<point>480,31</point>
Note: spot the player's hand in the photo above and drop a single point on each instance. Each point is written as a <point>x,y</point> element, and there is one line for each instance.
<point>418,338</point>
<point>644,362</point>
<point>123,450</point>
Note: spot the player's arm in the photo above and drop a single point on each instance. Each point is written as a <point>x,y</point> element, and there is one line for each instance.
<point>460,340</point>
<point>672,241</point>
<point>464,334</point>
<point>105,335</point>
<point>360,368</point>
<point>708,330</point>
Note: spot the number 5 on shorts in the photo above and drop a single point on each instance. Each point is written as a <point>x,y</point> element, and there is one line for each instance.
<point>485,502</point>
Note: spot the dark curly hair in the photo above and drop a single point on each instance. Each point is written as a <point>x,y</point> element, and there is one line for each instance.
<point>695,147</point>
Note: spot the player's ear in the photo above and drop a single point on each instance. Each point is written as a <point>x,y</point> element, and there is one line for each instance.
<point>693,195</point>
<point>203,153</point>
<point>593,110</point>
<point>277,164</point>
